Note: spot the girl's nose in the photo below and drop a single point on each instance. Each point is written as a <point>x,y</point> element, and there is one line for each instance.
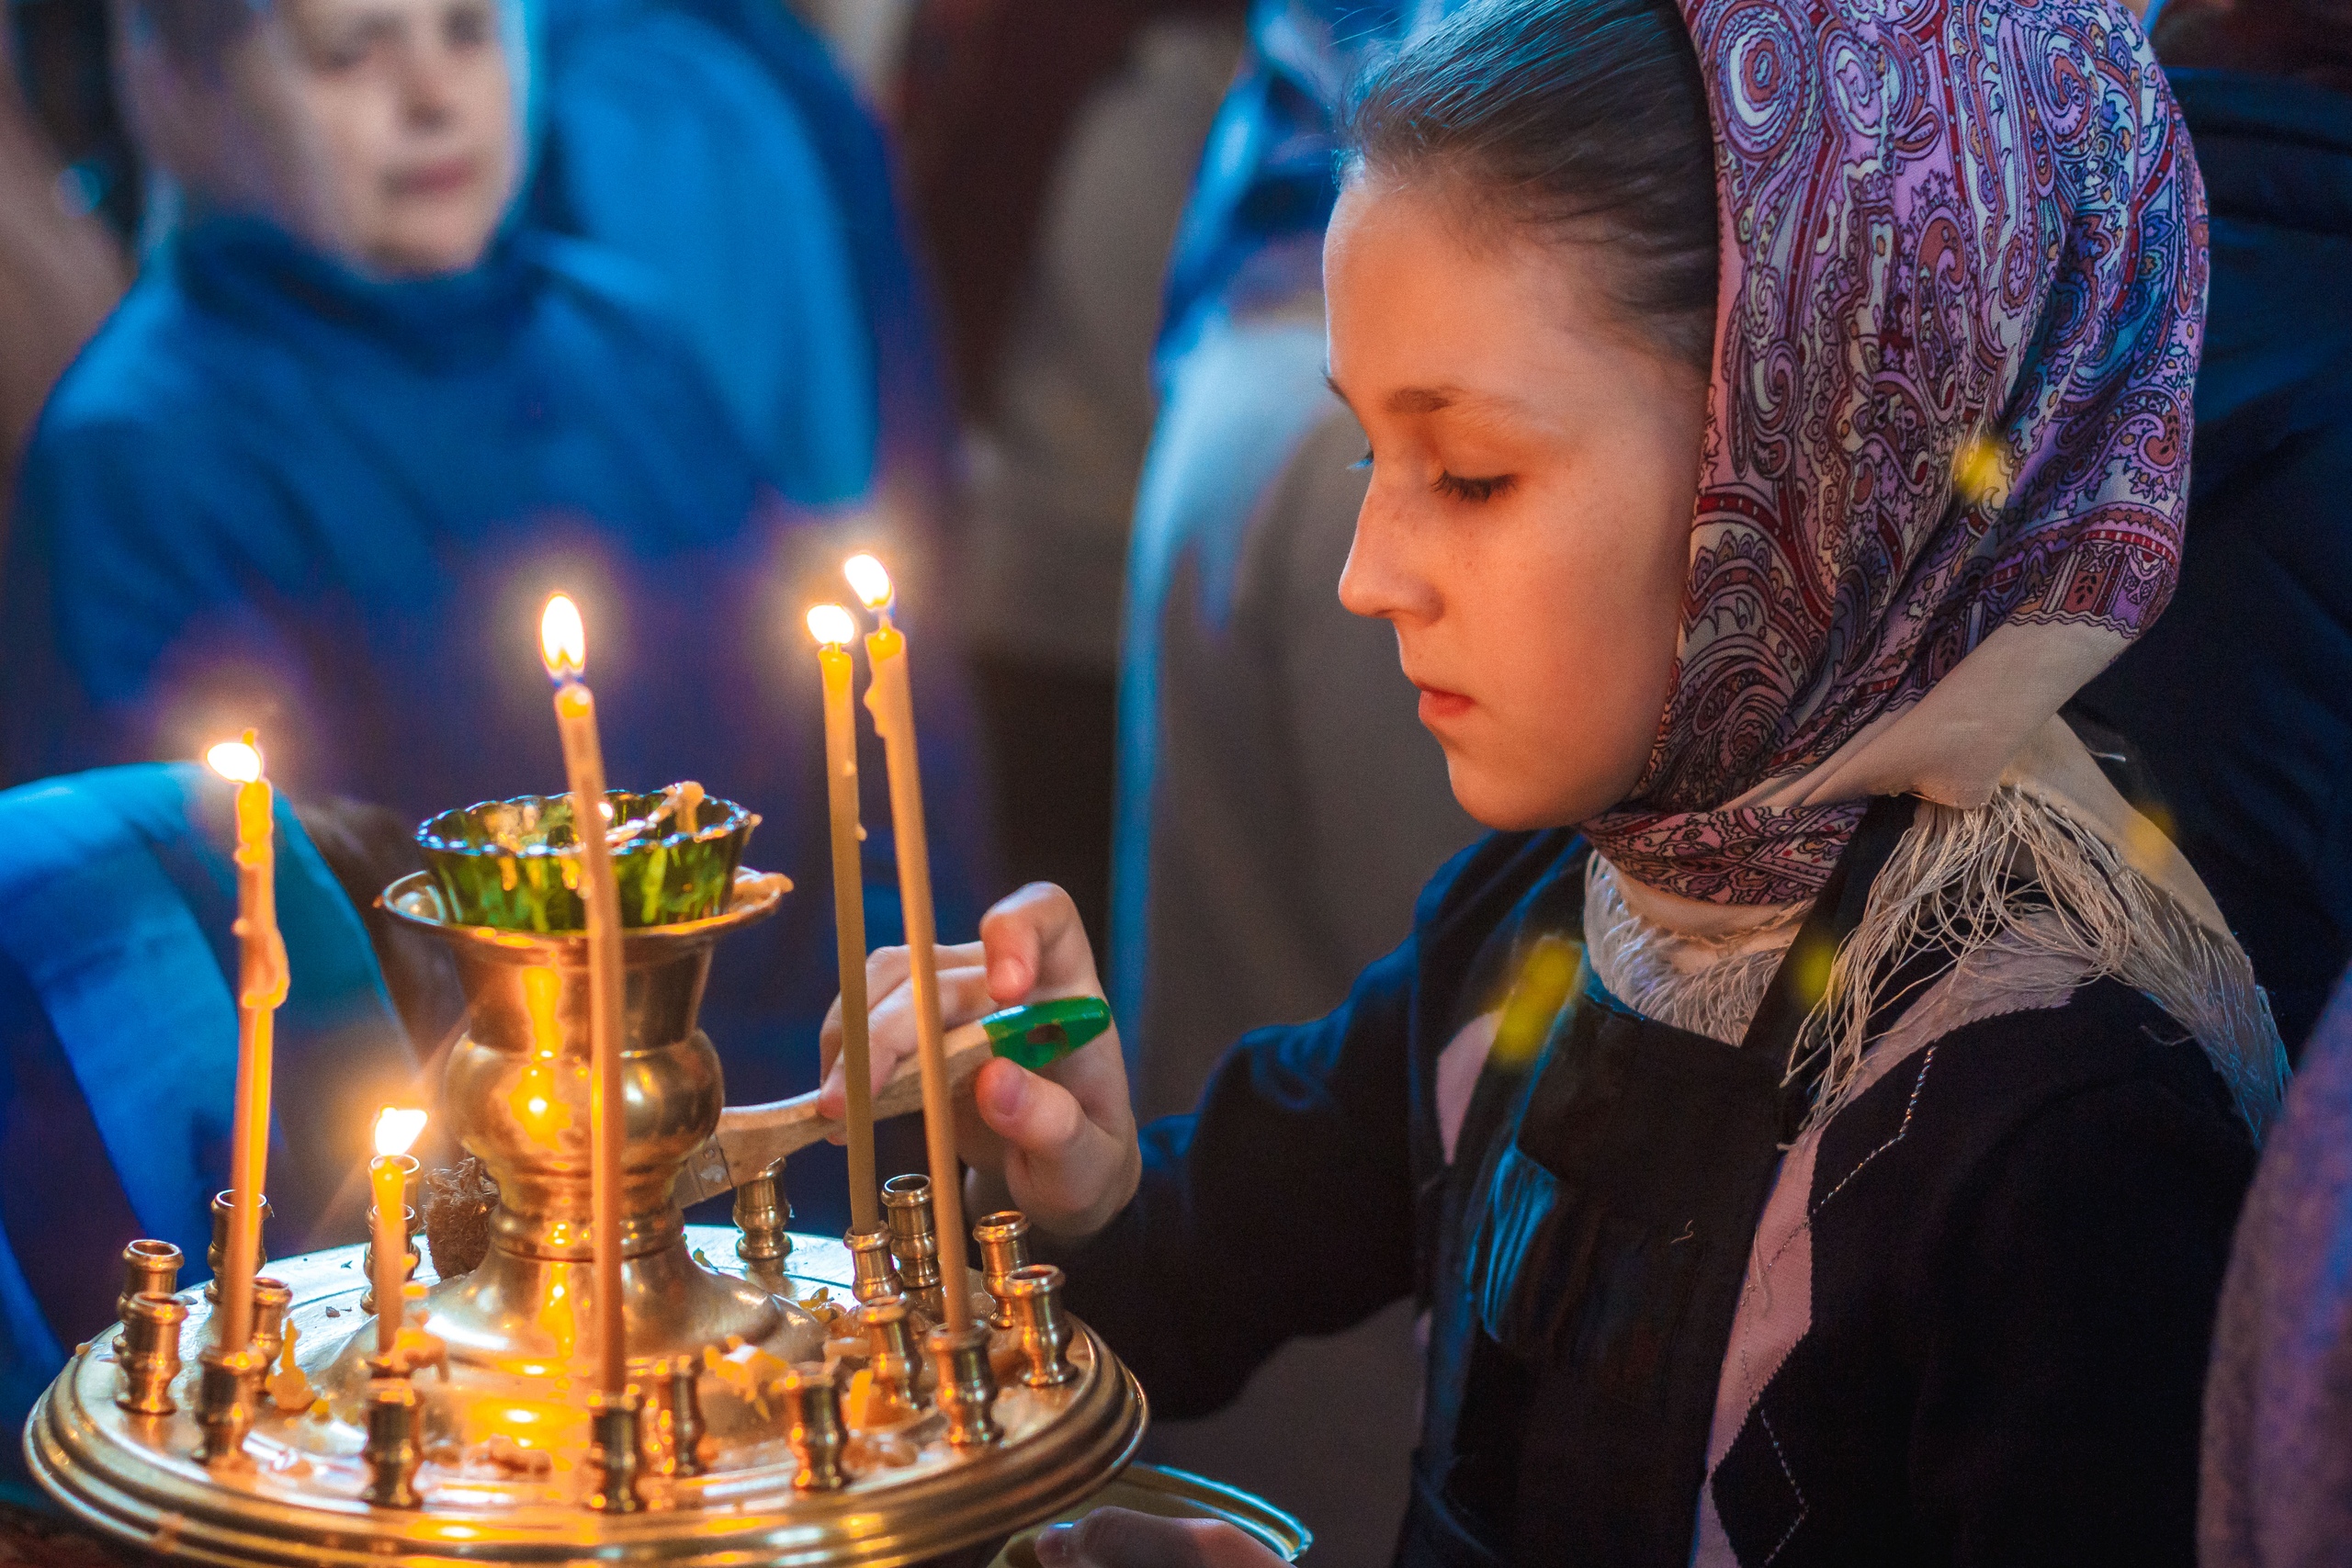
<point>1382,579</point>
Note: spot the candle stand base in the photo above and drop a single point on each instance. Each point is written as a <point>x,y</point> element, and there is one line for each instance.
<point>487,1493</point>
<point>483,1445</point>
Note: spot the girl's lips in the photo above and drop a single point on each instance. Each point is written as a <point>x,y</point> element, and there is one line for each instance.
<point>1437,705</point>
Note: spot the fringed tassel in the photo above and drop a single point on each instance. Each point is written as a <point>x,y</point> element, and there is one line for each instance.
<point>1961,879</point>
<point>1705,987</point>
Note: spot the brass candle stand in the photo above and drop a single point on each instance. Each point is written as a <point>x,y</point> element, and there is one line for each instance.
<point>785,1404</point>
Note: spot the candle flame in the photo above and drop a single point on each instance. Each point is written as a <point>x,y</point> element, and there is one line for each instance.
<point>563,640</point>
<point>830,625</point>
<point>870,581</point>
<point>237,760</point>
<point>396,1129</point>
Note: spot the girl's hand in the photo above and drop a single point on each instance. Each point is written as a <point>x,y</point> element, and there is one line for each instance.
<point>1119,1537</point>
<point>1059,1145</point>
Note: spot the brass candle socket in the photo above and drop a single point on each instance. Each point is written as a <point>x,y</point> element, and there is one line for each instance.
<point>411,1257</point>
<point>612,1452</point>
<point>516,1095</point>
<point>762,1213</point>
<point>890,1350</point>
<point>872,1274</point>
<point>1004,1249</point>
<point>812,1415</point>
<point>966,1384</point>
<point>149,1268</point>
<point>669,1423</point>
<point>914,1239</point>
<point>395,1436</point>
<point>1034,1295</point>
<point>225,1397</point>
<point>272,1300</point>
<point>149,1351</point>
<point>224,1204</point>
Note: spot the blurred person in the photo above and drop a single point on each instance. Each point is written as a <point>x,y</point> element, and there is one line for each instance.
<point>60,272</point>
<point>2239,702</point>
<point>118,896</point>
<point>870,36</point>
<point>669,143</point>
<point>352,425</point>
<point>914,423</point>
<point>2276,1489</point>
<point>1240,373</point>
<point>1051,147</point>
<point>1278,805</point>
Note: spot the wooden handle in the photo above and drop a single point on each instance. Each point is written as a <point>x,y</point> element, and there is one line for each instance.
<point>752,1137</point>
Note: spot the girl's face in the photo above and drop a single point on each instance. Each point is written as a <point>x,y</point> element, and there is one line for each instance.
<point>1534,474</point>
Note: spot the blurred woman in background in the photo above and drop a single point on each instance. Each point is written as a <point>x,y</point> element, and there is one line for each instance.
<point>356,420</point>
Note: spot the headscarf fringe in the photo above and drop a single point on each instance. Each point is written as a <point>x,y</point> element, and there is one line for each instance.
<point>1709,987</point>
<point>2023,871</point>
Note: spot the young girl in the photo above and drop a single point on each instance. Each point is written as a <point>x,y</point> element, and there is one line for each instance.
<point>1776,412</point>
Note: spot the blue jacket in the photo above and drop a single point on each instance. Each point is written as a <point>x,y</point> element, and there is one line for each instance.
<point>118,1051</point>
<point>667,142</point>
<point>2239,699</point>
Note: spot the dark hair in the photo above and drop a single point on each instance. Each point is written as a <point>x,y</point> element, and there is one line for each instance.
<point>2309,41</point>
<point>1584,118</point>
<point>196,35</point>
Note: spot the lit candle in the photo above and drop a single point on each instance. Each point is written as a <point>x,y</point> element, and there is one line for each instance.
<point>831,626</point>
<point>564,643</point>
<point>261,986</point>
<point>388,1172</point>
<point>891,700</point>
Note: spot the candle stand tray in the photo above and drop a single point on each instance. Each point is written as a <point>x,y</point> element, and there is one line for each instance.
<point>134,1477</point>
<point>481,1441</point>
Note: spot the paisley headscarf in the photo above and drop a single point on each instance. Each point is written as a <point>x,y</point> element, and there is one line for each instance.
<point>1946,458</point>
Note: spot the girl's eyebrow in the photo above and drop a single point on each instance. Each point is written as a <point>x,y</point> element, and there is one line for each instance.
<point>1422,400</point>
<point>1407,401</point>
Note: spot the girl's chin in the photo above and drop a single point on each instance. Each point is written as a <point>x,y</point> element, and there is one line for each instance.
<point>1512,800</point>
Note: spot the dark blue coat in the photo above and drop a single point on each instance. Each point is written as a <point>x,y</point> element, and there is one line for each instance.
<point>273,494</point>
<point>2239,699</point>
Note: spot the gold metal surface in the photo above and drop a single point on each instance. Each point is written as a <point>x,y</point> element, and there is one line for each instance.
<point>751,1138</point>
<point>914,1242</point>
<point>519,1330</point>
<point>762,1214</point>
<point>670,1427</point>
<point>874,1275</point>
<point>149,1268</point>
<point>149,1352</point>
<point>298,1502</point>
<point>812,1419</point>
<point>395,1450</point>
<point>612,1451</point>
<point>228,1387</point>
<point>492,1429</point>
<point>963,1386</point>
<point>1004,1247</point>
<point>224,1207</point>
<point>1032,1296</point>
<point>890,1367</point>
<point>271,1300</point>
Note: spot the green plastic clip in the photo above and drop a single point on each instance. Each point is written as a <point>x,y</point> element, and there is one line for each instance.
<point>1042,1034</point>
